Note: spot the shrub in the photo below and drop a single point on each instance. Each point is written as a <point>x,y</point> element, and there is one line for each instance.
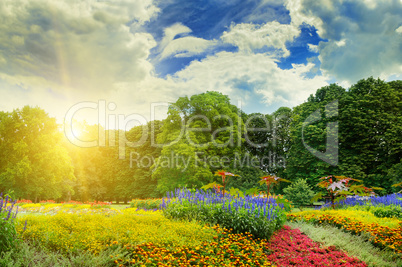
<point>299,193</point>
<point>8,234</point>
<point>146,204</point>
<point>381,211</point>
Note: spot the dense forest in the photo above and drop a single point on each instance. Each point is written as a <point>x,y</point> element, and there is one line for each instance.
<point>360,126</point>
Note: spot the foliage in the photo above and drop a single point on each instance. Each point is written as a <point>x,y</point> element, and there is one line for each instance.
<point>381,206</point>
<point>223,175</point>
<point>253,191</point>
<point>201,134</point>
<point>358,246</point>
<point>299,193</point>
<point>34,163</point>
<point>31,254</point>
<point>368,123</point>
<point>338,187</point>
<point>258,216</point>
<point>227,249</point>
<point>387,211</point>
<point>8,234</point>
<point>384,232</point>
<point>290,247</point>
<point>70,207</point>
<point>391,199</point>
<point>72,233</point>
<point>248,178</point>
<point>271,180</point>
<point>102,175</point>
<point>146,204</point>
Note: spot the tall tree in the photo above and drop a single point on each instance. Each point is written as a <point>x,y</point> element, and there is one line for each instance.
<point>205,131</point>
<point>34,163</point>
<point>371,127</point>
<point>309,128</point>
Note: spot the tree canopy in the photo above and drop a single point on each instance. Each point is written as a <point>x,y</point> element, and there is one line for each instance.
<point>354,132</point>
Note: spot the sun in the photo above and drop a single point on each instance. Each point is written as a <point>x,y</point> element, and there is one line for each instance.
<point>77,132</point>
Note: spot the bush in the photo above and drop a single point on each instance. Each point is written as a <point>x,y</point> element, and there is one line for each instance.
<point>382,211</point>
<point>299,193</point>
<point>257,216</point>
<point>8,234</point>
<point>146,204</point>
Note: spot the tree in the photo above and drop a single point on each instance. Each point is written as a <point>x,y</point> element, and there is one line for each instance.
<point>371,126</point>
<point>300,162</point>
<point>300,193</point>
<point>34,163</point>
<point>204,131</point>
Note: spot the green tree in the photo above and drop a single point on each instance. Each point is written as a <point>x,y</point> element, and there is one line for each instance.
<point>205,131</point>
<point>371,126</point>
<point>300,193</point>
<point>300,162</point>
<point>34,163</point>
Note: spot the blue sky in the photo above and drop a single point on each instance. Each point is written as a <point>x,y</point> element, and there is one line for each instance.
<point>262,53</point>
<point>209,19</point>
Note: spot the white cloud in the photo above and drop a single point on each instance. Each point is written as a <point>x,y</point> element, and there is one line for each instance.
<point>171,32</point>
<point>85,46</point>
<point>250,37</point>
<point>341,42</point>
<point>57,53</point>
<point>186,47</point>
<point>182,47</point>
<point>313,48</point>
<point>361,41</point>
<point>243,77</point>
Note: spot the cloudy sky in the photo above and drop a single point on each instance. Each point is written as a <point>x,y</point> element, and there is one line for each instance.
<point>264,53</point>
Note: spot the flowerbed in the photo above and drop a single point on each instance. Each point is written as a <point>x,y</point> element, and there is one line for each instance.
<point>289,247</point>
<point>226,250</point>
<point>385,232</point>
<point>69,207</point>
<point>392,199</point>
<point>258,216</point>
<point>71,232</point>
<point>146,204</point>
<point>148,239</point>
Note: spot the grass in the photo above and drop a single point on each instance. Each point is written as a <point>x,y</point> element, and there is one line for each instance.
<point>120,206</point>
<point>353,245</point>
<point>29,254</point>
<point>303,209</point>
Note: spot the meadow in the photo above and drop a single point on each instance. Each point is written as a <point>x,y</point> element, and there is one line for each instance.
<point>203,228</point>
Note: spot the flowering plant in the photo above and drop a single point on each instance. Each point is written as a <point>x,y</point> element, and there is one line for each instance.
<point>290,247</point>
<point>338,187</point>
<point>271,180</point>
<point>8,234</point>
<point>217,186</point>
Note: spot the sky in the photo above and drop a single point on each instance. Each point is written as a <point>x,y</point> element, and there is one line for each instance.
<point>83,59</point>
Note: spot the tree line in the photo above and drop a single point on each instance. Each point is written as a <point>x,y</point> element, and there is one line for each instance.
<point>354,132</point>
